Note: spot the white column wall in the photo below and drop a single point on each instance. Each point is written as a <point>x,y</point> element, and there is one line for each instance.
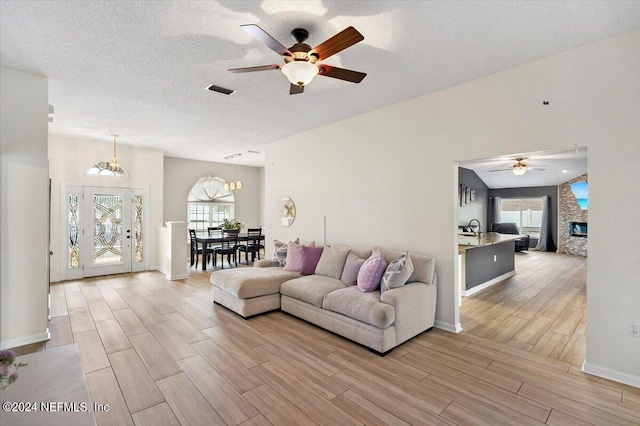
<point>24,206</point>
<point>389,176</point>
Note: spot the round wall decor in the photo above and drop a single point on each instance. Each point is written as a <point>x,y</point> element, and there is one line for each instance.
<point>287,211</point>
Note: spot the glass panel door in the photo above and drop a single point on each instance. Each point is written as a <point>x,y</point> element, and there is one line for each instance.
<point>109,239</point>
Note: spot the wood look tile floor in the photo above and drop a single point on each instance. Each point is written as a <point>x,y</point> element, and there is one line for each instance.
<point>542,309</point>
<point>160,353</point>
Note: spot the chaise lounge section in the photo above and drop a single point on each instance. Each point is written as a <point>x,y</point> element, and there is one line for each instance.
<point>379,321</point>
<point>250,291</point>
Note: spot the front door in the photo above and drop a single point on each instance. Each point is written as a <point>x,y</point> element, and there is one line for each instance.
<point>108,241</point>
<point>105,228</point>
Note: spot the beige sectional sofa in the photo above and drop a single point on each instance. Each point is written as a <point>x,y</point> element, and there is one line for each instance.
<point>377,321</point>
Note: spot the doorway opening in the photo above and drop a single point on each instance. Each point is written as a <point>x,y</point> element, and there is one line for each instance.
<point>522,276</point>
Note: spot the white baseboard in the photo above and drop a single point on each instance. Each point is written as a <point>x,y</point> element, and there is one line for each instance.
<point>448,327</point>
<point>178,277</point>
<point>26,340</point>
<point>55,279</point>
<point>615,375</point>
<point>172,277</point>
<point>489,283</point>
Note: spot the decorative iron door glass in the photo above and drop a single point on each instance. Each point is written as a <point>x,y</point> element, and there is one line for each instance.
<point>107,222</point>
<point>111,236</point>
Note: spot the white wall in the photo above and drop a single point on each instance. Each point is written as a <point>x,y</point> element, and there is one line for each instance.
<point>261,196</point>
<point>24,192</point>
<point>389,176</point>
<point>69,160</point>
<point>181,174</point>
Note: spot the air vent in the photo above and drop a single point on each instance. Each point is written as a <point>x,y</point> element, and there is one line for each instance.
<point>229,157</point>
<point>251,151</point>
<point>222,90</point>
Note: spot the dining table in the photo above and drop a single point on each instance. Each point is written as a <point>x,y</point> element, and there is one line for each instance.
<point>205,239</point>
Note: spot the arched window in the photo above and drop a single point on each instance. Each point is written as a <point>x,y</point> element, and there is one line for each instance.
<point>209,203</point>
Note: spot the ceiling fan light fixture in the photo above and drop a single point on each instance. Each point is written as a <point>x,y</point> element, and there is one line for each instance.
<point>519,169</point>
<point>300,73</point>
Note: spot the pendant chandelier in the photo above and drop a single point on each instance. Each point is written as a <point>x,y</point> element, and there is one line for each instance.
<point>233,185</point>
<point>109,168</point>
<point>114,165</point>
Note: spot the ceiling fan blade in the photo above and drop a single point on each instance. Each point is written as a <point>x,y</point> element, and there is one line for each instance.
<point>252,69</point>
<point>337,43</point>
<point>501,170</point>
<point>295,89</point>
<point>265,38</point>
<point>537,169</point>
<point>341,73</point>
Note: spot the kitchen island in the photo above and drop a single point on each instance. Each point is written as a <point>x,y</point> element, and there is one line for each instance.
<point>485,260</point>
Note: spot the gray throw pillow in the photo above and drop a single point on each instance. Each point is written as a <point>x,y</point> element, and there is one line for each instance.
<point>332,261</point>
<point>397,273</point>
<point>280,252</point>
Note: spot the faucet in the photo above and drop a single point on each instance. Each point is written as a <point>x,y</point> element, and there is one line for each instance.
<point>479,233</point>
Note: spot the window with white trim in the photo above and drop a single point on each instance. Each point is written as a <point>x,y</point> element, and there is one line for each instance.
<point>203,215</point>
<point>209,203</point>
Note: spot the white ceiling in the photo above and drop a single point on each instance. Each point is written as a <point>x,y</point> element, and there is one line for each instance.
<point>140,68</point>
<point>574,161</point>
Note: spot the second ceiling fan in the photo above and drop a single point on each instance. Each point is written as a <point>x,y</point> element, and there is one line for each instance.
<point>520,168</point>
<point>302,63</point>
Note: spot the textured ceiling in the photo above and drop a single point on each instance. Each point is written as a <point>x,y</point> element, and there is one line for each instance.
<point>141,68</point>
<point>573,161</point>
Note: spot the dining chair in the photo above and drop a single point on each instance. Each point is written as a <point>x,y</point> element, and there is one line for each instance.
<point>195,251</point>
<point>262,248</point>
<point>228,247</point>
<point>252,246</point>
<point>212,230</point>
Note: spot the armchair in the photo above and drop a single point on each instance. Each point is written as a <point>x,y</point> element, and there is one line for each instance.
<point>522,243</point>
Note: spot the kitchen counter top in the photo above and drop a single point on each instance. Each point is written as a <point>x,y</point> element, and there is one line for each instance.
<point>485,261</point>
<point>466,242</point>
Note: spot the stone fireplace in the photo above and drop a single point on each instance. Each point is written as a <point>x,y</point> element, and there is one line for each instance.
<point>572,221</point>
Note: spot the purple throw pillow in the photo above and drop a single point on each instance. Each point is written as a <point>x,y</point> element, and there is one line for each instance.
<point>371,272</point>
<point>351,269</point>
<point>294,256</point>
<point>310,259</point>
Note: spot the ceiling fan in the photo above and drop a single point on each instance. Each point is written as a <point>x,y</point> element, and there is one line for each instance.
<point>520,168</point>
<point>302,63</point>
